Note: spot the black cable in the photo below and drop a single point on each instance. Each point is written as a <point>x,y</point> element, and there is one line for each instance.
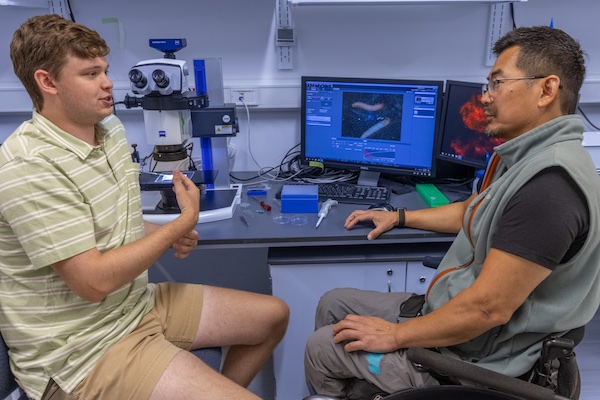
<point>587,119</point>
<point>70,11</point>
<point>512,15</point>
<point>290,168</point>
<point>143,163</point>
<point>267,171</point>
<point>190,149</point>
<point>235,178</point>
<point>258,175</point>
<point>115,108</point>
<point>254,177</point>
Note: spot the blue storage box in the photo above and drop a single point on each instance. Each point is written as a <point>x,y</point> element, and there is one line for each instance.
<point>300,199</point>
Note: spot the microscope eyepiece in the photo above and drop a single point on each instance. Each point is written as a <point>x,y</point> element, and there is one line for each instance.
<point>161,79</point>
<point>137,78</point>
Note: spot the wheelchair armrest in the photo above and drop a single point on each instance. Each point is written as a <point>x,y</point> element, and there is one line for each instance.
<point>473,373</point>
<point>432,261</point>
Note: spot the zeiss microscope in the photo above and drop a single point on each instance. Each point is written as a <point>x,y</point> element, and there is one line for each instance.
<point>173,114</point>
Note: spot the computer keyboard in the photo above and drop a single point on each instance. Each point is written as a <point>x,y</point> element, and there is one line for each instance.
<point>350,193</point>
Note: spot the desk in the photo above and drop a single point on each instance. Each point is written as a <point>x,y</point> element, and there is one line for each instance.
<point>299,263</point>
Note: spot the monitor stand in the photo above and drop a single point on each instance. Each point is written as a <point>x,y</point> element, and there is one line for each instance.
<point>396,187</point>
<point>368,178</point>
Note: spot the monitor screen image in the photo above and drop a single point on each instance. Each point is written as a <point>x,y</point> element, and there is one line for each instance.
<point>371,125</point>
<point>462,133</point>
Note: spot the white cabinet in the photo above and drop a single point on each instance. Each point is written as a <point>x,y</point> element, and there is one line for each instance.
<point>301,286</point>
<point>418,277</point>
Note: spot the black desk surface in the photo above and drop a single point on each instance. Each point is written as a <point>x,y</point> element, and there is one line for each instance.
<point>264,231</point>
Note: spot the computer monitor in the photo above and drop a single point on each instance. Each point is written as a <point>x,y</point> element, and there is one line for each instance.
<point>370,125</point>
<point>462,139</point>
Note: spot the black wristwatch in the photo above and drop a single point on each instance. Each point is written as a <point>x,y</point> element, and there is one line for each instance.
<point>401,216</point>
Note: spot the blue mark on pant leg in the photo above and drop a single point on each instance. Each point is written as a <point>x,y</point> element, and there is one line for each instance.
<point>374,359</point>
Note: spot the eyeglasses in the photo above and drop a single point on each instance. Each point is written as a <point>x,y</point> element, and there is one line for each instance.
<point>492,87</point>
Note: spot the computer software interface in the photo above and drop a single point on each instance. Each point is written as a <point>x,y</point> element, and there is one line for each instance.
<point>371,123</point>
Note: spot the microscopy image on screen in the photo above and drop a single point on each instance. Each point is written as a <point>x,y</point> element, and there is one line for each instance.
<point>473,143</point>
<point>464,139</point>
<point>372,115</point>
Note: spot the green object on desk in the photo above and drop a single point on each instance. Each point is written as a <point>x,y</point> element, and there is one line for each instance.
<point>431,194</point>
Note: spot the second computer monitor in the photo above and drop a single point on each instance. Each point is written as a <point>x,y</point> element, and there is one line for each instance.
<point>370,125</point>
<point>462,137</point>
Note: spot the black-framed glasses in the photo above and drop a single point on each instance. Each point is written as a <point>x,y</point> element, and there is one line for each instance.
<point>492,86</point>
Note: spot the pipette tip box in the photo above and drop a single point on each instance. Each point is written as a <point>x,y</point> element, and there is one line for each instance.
<point>431,194</point>
<point>300,199</point>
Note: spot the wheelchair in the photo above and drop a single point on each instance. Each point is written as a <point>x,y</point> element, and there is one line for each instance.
<point>554,377</point>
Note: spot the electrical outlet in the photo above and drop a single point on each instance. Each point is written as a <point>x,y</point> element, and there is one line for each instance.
<point>250,96</point>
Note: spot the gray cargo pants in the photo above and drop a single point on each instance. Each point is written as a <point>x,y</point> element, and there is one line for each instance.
<point>331,371</point>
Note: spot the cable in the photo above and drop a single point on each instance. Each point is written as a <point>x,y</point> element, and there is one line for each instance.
<point>241,98</point>
<point>190,149</point>
<point>115,108</point>
<point>587,119</point>
<point>143,163</point>
<point>70,11</point>
<point>512,14</point>
<point>514,26</point>
<point>291,169</point>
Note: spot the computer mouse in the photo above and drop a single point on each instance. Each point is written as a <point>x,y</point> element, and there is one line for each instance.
<point>382,207</point>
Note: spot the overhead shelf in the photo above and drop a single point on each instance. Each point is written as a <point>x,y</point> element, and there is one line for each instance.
<point>394,2</point>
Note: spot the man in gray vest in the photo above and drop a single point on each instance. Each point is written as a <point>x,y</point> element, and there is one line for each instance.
<point>524,263</point>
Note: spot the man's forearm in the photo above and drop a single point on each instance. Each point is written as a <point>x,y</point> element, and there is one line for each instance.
<point>455,322</point>
<point>150,227</point>
<point>93,275</point>
<point>447,218</point>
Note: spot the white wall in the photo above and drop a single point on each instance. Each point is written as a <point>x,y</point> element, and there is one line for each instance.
<point>439,42</point>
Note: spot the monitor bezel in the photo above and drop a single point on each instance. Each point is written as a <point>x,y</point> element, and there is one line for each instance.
<point>373,168</point>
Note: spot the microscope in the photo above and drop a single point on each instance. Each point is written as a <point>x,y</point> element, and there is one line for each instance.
<point>173,114</point>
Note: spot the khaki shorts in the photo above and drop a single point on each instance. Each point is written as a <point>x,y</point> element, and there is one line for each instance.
<point>133,366</point>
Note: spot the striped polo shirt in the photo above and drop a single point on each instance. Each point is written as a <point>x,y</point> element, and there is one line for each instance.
<point>59,197</point>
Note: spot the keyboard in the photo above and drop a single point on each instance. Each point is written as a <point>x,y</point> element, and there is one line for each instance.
<point>350,193</point>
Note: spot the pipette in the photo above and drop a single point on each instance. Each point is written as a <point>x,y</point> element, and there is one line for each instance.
<point>325,210</point>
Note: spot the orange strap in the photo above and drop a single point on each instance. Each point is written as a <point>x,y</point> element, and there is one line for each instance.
<point>487,179</point>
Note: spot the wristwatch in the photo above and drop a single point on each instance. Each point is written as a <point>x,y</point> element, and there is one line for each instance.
<point>401,217</point>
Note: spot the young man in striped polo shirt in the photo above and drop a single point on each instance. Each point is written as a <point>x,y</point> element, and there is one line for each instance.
<point>76,309</point>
